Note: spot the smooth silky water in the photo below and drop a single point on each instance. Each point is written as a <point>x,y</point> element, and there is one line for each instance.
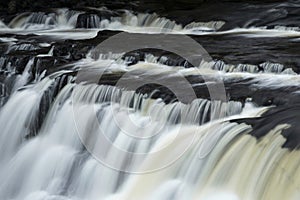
<point>104,142</point>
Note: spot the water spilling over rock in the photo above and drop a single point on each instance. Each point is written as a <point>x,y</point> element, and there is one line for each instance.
<point>79,123</point>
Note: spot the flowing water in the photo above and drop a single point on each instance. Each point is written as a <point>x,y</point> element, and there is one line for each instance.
<point>64,139</point>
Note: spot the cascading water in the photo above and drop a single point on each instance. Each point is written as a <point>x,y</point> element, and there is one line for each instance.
<point>63,18</point>
<point>45,166</point>
<point>64,138</point>
<point>223,157</point>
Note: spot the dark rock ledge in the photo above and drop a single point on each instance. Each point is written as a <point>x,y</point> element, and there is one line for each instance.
<point>288,114</point>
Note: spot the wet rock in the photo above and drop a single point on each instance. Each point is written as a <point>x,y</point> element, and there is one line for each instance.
<point>238,89</point>
<point>14,64</point>
<point>288,114</point>
<point>49,64</point>
<point>159,56</point>
<point>45,103</point>
<point>92,18</point>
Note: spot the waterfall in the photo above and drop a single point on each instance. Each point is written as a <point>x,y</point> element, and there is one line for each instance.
<point>218,65</point>
<point>81,124</point>
<point>208,154</point>
<point>108,20</point>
